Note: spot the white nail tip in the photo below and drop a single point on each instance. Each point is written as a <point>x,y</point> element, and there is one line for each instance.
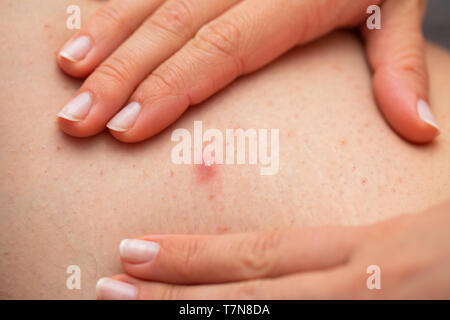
<point>138,251</point>
<point>126,118</point>
<point>78,108</point>
<point>67,117</point>
<point>67,56</point>
<point>77,49</point>
<point>111,289</point>
<point>425,114</point>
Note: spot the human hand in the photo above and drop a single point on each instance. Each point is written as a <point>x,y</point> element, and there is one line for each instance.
<point>412,252</point>
<point>158,57</point>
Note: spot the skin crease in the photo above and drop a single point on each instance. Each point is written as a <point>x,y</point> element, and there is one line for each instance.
<point>66,201</point>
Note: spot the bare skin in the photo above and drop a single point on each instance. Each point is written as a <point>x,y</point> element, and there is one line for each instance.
<point>68,201</point>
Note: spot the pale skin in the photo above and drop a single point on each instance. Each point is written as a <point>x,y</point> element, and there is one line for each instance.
<point>200,47</point>
<point>71,201</point>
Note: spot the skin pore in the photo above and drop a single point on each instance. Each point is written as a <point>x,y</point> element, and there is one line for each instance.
<point>67,201</point>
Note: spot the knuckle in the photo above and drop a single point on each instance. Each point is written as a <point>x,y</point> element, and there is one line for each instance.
<point>246,290</point>
<point>168,77</point>
<point>112,16</point>
<point>175,18</point>
<point>115,69</point>
<point>189,254</point>
<point>413,64</point>
<point>220,38</point>
<point>170,292</point>
<point>258,253</point>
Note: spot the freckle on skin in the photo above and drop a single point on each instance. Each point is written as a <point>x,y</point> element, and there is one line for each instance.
<point>364,180</point>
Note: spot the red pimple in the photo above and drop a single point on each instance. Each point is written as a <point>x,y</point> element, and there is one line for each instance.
<point>206,171</point>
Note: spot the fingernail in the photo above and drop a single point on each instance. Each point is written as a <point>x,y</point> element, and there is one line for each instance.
<point>111,289</point>
<point>77,49</point>
<point>126,118</point>
<point>425,113</point>
<point>138,251</point>
<point>77,108</point>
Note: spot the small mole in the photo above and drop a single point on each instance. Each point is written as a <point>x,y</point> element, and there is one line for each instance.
<point>211,197</point>
<point>46,25</point>
<point>171,174</point>
<point>364,180</point>
<point>343,142</point>
<point>58,148</point>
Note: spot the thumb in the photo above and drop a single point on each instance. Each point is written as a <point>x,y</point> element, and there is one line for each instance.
<point>396,54</point>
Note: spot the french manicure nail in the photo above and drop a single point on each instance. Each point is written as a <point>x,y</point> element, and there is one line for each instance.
<point>77,108</point>
<point>111,289</point>
<point>77,49</point>
<point>138,251</point>
<point>126,118</point>
<point>425,113</point>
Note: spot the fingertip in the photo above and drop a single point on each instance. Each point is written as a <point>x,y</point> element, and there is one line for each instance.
<point>73,68</point>
<point>76,57</point>
<point>79,128</point>
<point>425,113</point>
<point>406,112</point>
<point>122,136</point>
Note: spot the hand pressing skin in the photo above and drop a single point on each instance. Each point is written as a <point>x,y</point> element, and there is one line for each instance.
<point>147,61</point>
<point>412,251</point>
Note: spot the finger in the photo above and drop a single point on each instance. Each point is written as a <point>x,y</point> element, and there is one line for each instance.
<point>330,284</point>
<point>108,88</point>
<point>235,257</point>
<point>238,42</point>
<point>396,53</point>
<point>103,33</point>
